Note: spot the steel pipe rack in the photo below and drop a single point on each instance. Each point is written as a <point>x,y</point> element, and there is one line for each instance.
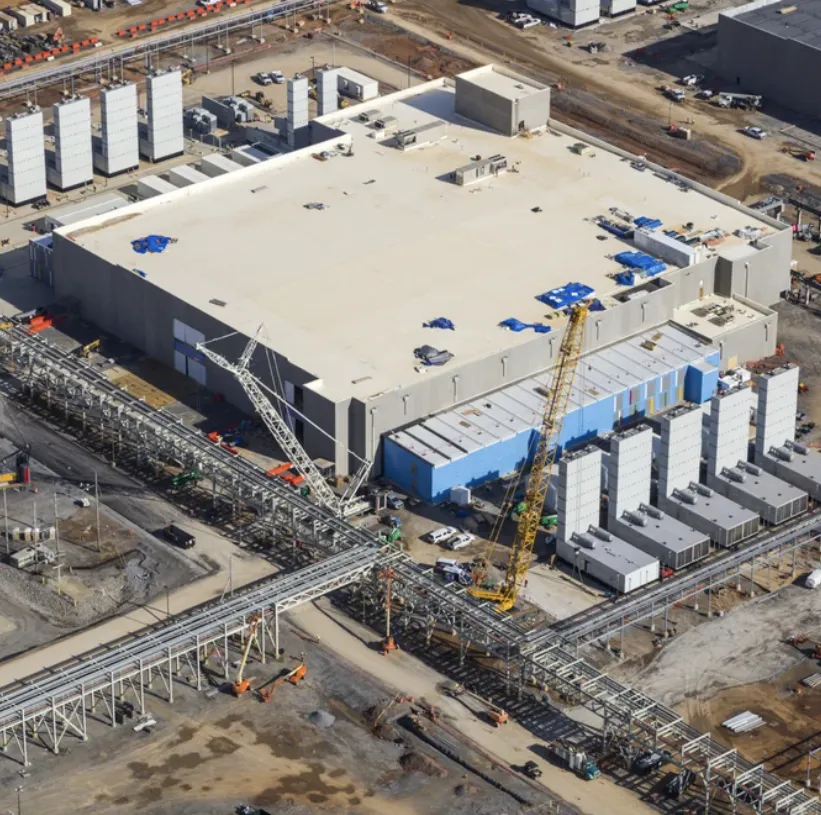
<point>51,705</point>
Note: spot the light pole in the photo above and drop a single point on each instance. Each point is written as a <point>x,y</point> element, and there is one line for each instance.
<point>19,801</point>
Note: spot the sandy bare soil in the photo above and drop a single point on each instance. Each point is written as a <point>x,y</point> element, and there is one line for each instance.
<point>746,645</point>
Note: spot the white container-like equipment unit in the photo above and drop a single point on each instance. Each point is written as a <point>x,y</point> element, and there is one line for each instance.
<point>813,579</point>
<point>356,85</point>
<point>164,105</point>
<point>27,157</point>
<point>119,140</point>
<point>73,163</point>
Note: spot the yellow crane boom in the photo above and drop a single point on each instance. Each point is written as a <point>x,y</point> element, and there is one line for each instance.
<point>555,407</point>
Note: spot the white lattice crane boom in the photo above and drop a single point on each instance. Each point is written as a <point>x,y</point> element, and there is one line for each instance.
<point>284,436</point>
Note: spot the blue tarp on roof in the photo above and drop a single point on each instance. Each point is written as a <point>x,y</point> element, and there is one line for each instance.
<point>440,322</point>
<point>565,295</point>
<point>512,324</point>
<point>647,223</point>
<point>639,260</point>
<point>625,278</point>
<point>152,243</point>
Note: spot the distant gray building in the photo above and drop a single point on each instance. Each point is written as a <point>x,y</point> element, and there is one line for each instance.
<point>773,48</point>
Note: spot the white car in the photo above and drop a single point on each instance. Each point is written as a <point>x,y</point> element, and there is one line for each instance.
<point>277,77</point>
<point>262,78</point>
<point>755,133</point>
<point>442,534</point>
<point>461,540</point>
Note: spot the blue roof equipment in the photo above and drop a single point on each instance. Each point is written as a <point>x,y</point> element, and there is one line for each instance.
<point>512,324</point>
<point>625,278</point>
<point>647,223</point>
<point>153,244</point>
<point>639,260</point>
<point>563,296</point>
<point>440,322</point>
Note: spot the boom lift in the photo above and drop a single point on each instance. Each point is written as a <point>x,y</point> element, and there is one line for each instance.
<point>255,389</point>
<point>241,685</point>
<point>555,406</point>
<point>266,691</point>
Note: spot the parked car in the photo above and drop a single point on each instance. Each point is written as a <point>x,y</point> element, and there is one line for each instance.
<point>461,540</point>
<point>179,537</point>
<point>378,6</point>
<point>392,521</point>
<point>263,78</point>
<point>441,535</point>
<point>277,77</point>
<point>754,132</point>
<point>650,761</point>
<point>394,501</point>
<point>692,79</point>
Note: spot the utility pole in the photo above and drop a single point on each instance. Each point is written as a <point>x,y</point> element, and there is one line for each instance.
<point>56,530</point>
<point>97,508</point>
<point>6,519</point>
<point>167,604</point>
<point>231,574</point>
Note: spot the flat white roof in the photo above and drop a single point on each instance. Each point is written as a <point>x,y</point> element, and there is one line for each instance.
<point>344,291</point>
<point>510,87</point>
<point>355,76</point>
<point>714,315</point>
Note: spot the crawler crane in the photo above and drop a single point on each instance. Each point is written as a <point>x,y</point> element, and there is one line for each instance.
<point>555,407</point>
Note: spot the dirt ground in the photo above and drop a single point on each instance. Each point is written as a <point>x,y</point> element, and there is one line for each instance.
<point>597,91</point>
<point>128,567</point>
<point>210,753</point>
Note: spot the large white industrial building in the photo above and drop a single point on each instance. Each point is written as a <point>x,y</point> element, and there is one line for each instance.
<point>459,200</point>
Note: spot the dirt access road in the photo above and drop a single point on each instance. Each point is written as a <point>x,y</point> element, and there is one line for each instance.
<point>622,88</point>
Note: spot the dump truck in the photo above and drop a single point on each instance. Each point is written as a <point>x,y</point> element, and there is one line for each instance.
<point>576,760</point>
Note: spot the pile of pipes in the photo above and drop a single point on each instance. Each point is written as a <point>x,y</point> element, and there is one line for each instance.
<point>744,722</point>
<point>812,681</point>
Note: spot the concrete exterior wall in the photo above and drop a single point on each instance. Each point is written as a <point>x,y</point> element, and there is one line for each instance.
<point>756,61</point>
<point>131,307</point>
<point>485,107</point>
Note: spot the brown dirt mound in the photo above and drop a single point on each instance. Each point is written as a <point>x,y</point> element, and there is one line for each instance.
<point>417,763</point>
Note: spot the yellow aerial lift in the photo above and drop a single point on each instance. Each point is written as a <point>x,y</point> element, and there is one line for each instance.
<point>241,685</point>
<point>555,407</point>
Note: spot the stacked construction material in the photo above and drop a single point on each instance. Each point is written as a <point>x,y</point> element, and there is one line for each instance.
<point>645,263</point>
<point>743,722</point>
<point>564,296</point>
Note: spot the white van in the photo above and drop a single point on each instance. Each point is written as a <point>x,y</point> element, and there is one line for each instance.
<point>441,535</point>
<point>813,579</point>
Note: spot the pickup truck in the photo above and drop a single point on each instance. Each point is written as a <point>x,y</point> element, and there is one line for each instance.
<point>179,537</point>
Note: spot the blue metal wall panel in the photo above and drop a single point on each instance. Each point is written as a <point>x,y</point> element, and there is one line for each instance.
<point>699,384</point>
<point>482,466</point>
<point>584,424</point>
<point>407,470</point>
